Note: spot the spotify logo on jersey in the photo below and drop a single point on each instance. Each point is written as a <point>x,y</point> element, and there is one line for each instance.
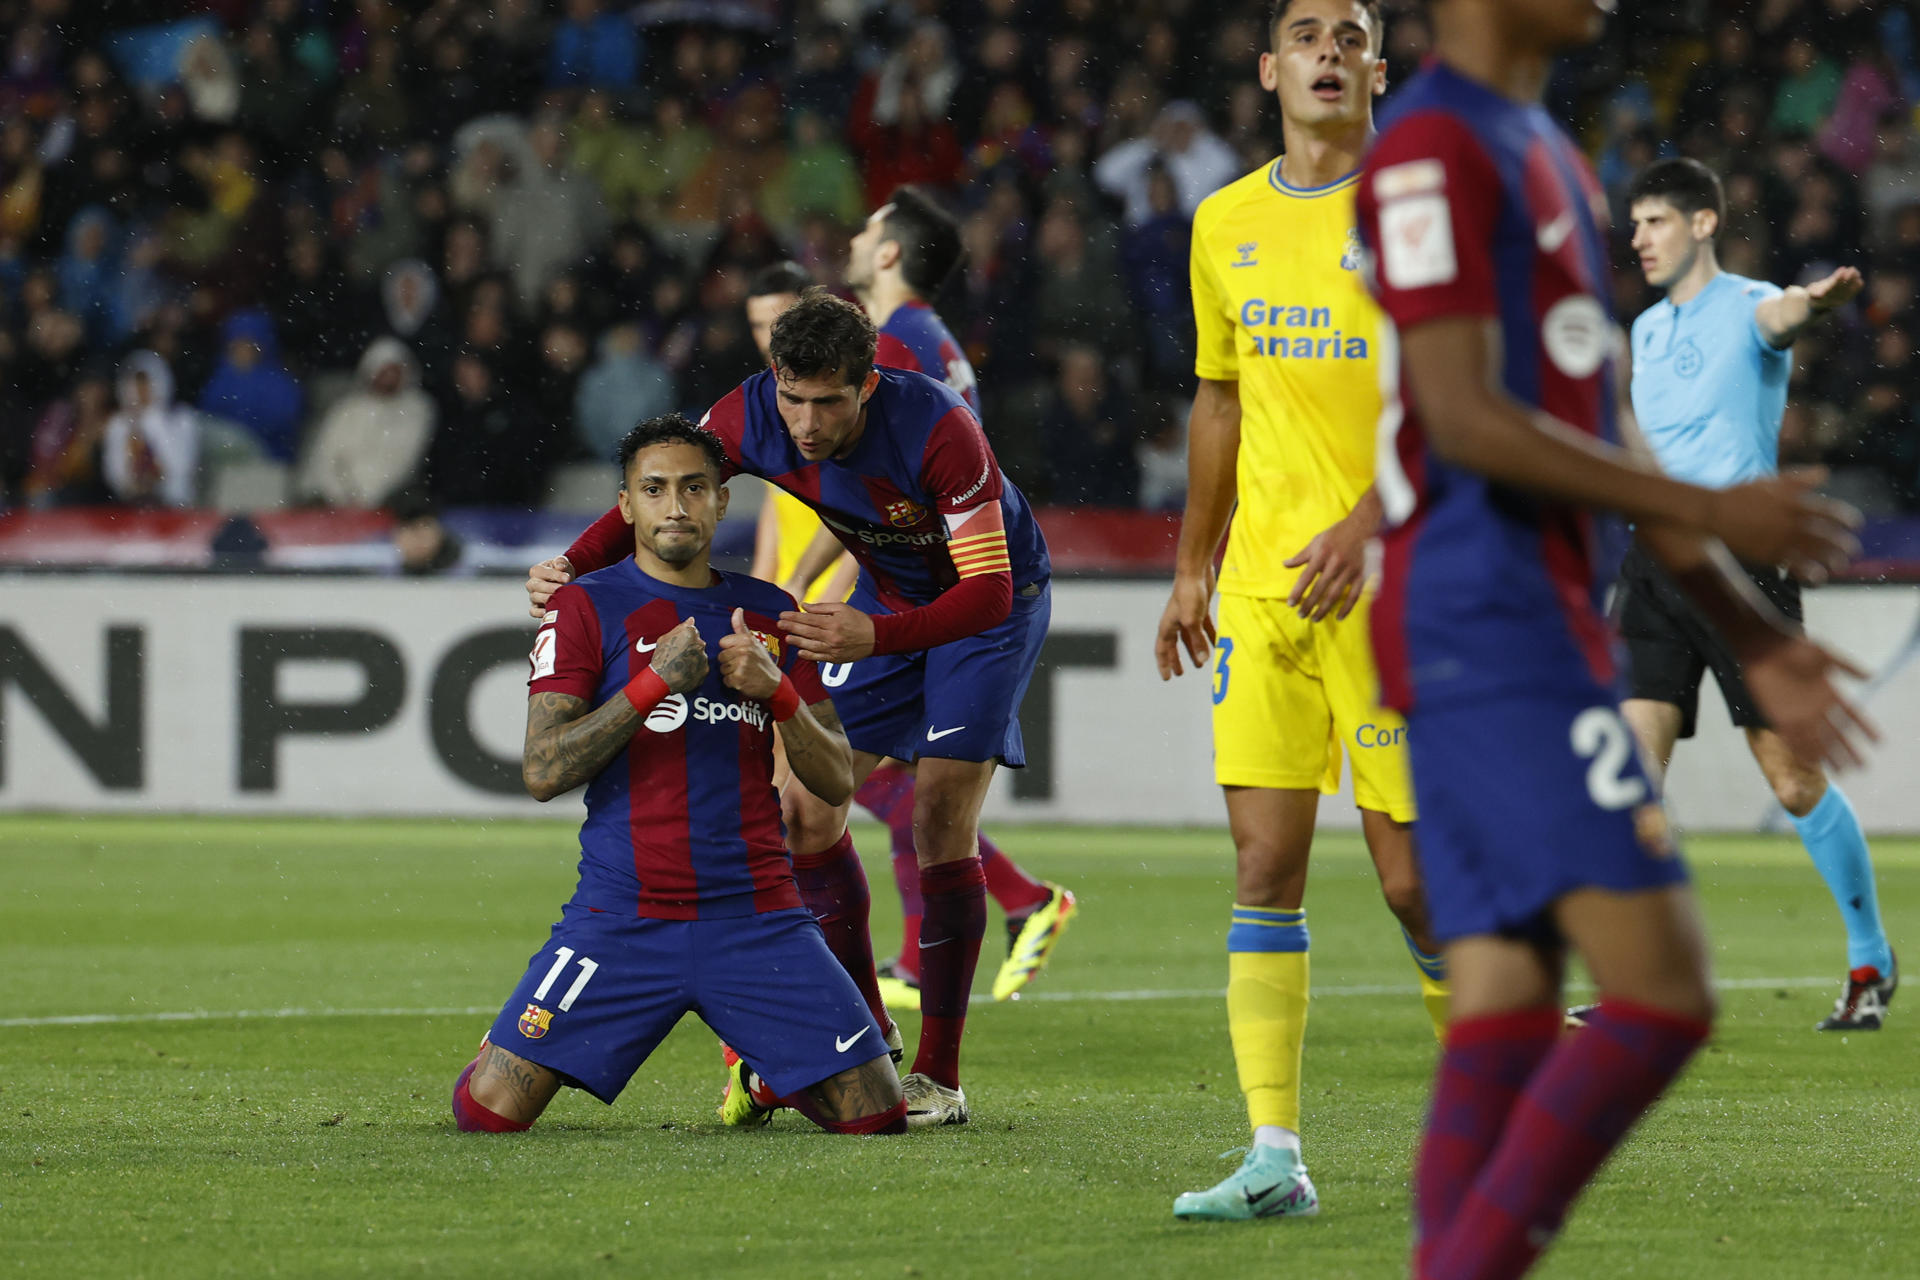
<point>669,715</point>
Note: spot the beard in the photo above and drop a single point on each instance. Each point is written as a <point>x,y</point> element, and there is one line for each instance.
<point>678,552</point>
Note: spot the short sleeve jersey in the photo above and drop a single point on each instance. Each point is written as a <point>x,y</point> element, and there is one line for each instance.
<point>1473,205</point>
<point>1280,307</point>
<point>1708,388</point>
<point>914,337</point>
<point>684,823</point>
<point>905,501</point>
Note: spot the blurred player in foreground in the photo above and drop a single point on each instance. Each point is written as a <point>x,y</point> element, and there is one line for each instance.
<point>1710,370</point>
<point>928,661</point>
<point>905,252</point>
<point>1539,831</point>
<point>1284,422</point>
<point>686,902</point>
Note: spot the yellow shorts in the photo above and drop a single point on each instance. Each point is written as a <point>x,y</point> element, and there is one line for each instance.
<point>1291,696</point>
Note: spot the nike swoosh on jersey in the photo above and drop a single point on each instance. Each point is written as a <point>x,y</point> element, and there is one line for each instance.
<point>1554,234</point>
<point>932,736</point>
<point>841,1046</point>
<point>645,646</point>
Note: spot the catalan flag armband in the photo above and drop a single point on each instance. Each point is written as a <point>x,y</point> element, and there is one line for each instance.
<point>978,542</point>
<point>981,553</point>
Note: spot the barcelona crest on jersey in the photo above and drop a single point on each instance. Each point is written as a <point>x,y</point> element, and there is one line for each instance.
<point>905,513</point>
<point>535,1021</point>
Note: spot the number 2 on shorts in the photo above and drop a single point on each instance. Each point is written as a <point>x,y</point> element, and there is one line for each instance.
<point>1601,736</point>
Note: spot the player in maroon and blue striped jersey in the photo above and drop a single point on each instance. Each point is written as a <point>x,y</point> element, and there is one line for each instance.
<point>898,261</point>
<point>657,682</point>
<point>1539,831</point>
<point>928,661</point>
<point>906,251</point>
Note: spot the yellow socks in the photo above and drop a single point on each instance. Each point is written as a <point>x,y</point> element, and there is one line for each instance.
<point>1267,1009</point>
<point>1434,991</point>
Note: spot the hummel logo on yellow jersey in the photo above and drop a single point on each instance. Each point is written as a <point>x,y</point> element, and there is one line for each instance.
<point>1246,251</point>
<point>1350,260</point>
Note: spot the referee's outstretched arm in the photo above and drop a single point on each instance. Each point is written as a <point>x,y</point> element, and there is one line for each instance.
<point>1783,318</point>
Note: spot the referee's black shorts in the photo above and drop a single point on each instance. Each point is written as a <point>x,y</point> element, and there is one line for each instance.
<point>1670,647</point>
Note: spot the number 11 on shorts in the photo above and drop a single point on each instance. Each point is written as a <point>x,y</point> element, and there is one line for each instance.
<point>587,969</point>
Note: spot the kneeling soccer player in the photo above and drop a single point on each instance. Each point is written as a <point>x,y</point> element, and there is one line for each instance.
<point>686,901</point>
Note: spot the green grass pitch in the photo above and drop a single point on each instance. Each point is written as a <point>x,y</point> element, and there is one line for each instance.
<point>346,969</point>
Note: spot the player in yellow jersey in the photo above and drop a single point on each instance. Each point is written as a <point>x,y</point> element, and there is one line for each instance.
<point>1284,420</point>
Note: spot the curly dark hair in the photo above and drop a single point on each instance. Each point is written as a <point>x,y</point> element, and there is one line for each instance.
<point>822,335</point>
<point>669,428</point>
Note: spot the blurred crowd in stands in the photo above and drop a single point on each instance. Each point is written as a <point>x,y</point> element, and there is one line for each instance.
<point>346,252</point>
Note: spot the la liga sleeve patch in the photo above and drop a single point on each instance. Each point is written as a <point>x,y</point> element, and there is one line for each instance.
<point>545,646</point>
<point>1416,242</point>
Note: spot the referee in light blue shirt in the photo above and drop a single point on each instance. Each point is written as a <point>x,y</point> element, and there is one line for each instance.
<point>1710,368</point>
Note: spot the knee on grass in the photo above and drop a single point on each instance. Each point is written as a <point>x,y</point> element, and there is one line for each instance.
<point>861,1100</point>
<point>500,1092</point>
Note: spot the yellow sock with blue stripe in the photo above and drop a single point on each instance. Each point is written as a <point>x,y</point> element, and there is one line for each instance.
<point>1434,991</point>
<point>1267,1010</point>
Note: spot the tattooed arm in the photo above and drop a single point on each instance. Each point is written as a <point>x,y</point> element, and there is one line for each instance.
<point>817,750</point>
<point>567,744</point>
<point>818,753</point>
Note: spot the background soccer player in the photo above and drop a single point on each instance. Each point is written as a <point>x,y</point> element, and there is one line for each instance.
<point>1539,832</point>
<point>686,900</point>
<point>1284,422</point>
<point>930,658</point>
<point>1710,370</point>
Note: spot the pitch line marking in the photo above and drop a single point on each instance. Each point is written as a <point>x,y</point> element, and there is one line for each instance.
<point>1062,997</point>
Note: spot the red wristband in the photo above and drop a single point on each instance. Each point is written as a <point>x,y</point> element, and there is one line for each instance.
<point>646,690</point>
<point>785,702</point>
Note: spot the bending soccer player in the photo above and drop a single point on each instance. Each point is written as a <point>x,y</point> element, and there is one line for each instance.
<point>901,257</point>
<point>1539,831</point>
<point>655,682</point>
<point>1284,423</point>
<point>927,662</point>
<point>1710,370</point>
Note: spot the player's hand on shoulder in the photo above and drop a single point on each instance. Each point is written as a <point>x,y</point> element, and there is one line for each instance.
<point>1791,680</point>
<point>829,631</point>
<point>1781,521</point>
<point>745,665</point>
<point>1186,621</point>
<point>680,658</point>
<point>543,580</point>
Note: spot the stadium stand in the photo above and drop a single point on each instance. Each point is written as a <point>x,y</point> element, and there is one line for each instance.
<point>554,209</point>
